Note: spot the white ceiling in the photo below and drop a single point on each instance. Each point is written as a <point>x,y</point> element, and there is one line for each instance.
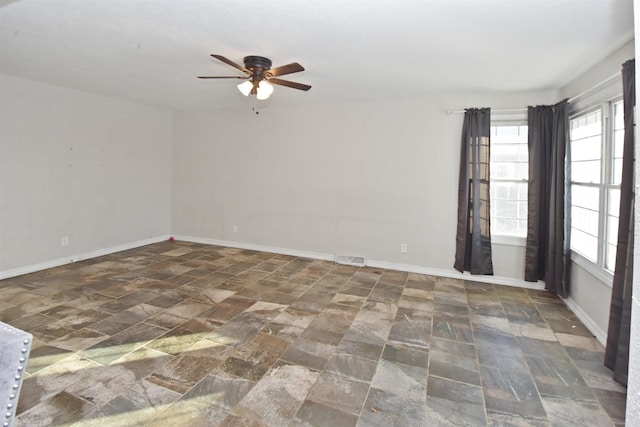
<point>152,50</point>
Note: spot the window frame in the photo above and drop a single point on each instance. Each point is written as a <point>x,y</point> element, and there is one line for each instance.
<point>520,119</point>
<point>607,158</point>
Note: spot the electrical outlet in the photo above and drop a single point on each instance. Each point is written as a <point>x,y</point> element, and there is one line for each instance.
<point>403,248</point>
<point>235,228</point>
<point>64,241</point>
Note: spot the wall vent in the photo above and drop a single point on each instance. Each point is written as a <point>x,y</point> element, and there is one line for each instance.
<point>358,261</point>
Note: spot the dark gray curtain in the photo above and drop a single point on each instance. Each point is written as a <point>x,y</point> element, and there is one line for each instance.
<point>547,249</point>
<point>617,353</point>
<point>473,237</point>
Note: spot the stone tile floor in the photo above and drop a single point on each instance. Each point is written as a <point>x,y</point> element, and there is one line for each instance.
<point>181,334</point>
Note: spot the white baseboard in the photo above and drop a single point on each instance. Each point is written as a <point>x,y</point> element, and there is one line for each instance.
<point>454,274</point>
<point>588,321</point>
<point>75,258</point>
<point>370,263</point>
<point>255,247</point>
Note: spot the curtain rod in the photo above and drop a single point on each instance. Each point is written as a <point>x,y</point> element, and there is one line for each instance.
<point>519,110</point>
<point>508,110</point>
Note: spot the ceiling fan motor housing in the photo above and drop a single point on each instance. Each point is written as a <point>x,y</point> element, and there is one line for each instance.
<point>257,64</point>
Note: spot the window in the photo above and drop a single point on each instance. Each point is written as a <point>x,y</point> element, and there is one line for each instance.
<point>596,171</point>
<point>509,174</point>
<point>613,200</point>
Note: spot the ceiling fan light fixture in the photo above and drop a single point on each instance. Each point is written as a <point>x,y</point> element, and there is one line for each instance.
<point>245,87</point>
<point>265,90</point>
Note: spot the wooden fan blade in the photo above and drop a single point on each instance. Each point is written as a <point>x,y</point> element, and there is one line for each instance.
<point>294,67</point>
<point>287,83</point>
<point>233,64</point>
<point>224,77</point>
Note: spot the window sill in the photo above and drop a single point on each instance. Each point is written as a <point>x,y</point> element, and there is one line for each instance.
<point>508,240</point>
<point>591,268</point>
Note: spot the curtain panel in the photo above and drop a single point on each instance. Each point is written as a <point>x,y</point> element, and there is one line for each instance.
<point>473,237</point>
<point>547,252</point>
<point>617,352</point>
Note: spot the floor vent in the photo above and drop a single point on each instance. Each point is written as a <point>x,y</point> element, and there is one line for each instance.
<point>350,260</point>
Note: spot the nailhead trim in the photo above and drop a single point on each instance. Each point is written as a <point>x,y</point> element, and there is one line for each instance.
<point>22,361</point>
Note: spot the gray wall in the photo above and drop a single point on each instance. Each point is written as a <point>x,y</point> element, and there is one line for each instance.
<point>75,164</point>
<point>355,179</point>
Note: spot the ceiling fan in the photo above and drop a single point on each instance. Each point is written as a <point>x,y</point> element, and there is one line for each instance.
<point>259,75</point>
